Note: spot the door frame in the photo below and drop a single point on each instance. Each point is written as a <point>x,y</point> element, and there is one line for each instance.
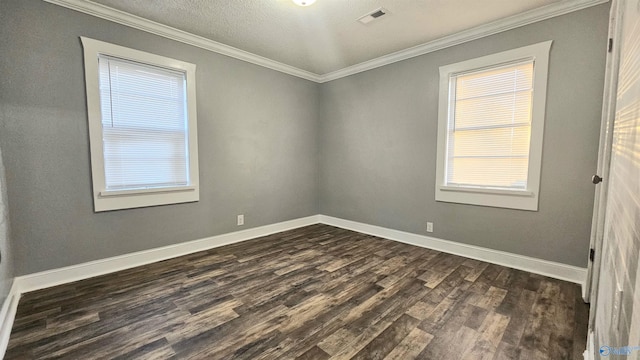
<point>590,289</point>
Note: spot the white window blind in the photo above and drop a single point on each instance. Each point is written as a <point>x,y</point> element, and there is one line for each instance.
<point>489,128</point>
<point>144,125</point>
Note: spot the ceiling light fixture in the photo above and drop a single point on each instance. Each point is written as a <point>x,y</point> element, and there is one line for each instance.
<point>304,2</point>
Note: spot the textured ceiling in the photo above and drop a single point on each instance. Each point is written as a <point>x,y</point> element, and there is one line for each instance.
<point>325,36</point>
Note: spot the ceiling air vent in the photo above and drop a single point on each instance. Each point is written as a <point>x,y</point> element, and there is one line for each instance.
<point>375,14</point>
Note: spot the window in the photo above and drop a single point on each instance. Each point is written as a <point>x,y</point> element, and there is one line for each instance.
<point>142,127</point>
<point>490,125</point>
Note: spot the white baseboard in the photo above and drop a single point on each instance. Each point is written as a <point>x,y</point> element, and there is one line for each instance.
<point>537,266</point>
<point>91,269</point>
<point>7,315</point>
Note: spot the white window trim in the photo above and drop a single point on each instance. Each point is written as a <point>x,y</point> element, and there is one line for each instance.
<point>112,200</point>
<point>526,199</point>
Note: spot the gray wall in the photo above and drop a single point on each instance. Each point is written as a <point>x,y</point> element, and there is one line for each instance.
<point>378,145</point>
<point>257,135</point>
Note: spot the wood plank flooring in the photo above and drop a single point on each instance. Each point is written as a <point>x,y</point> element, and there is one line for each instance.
<point>316,292</point>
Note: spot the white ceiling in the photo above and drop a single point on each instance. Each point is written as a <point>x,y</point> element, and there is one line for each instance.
<point>325,36</point>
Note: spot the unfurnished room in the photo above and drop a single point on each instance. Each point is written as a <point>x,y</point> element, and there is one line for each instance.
<point>320,179</point>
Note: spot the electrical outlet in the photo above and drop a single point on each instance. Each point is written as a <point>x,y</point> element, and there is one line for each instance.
<point>240,220</point>
<point>429,226</point>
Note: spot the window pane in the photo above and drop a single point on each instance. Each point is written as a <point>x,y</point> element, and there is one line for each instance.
<point>141,158</point>
<point>494,110</point>
<point>491,81</point>
<point>144,125</point>
<point>489,172</point>
<point>497,142</point>
<point>490,127</point>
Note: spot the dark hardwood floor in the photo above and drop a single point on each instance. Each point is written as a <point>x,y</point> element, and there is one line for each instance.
<point>317,292</point>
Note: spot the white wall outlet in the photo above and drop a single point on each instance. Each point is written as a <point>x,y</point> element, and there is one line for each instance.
<point>240,220</point>
<point>429,226</point>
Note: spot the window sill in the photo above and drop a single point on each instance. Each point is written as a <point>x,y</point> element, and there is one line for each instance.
<point>134,192</point>
<point>523,193</point>
<point>499,198</point>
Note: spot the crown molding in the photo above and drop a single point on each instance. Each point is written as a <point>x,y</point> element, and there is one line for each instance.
<point>136,22</point>
<point>512,22</point>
